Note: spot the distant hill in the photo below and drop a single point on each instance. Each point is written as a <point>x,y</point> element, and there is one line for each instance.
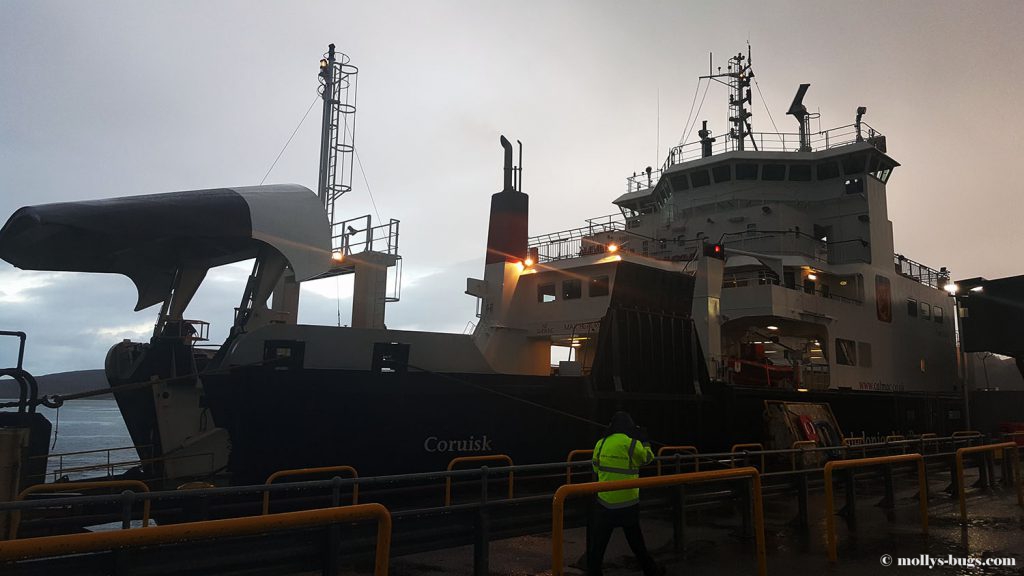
<point>60,383</point>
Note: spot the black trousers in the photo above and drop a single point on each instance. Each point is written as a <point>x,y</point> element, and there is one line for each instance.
<point>602,523</point>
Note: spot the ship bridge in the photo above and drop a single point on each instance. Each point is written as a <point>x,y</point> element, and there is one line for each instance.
<point>810,291</point>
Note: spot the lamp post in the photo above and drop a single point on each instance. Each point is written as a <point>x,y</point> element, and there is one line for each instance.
<point>954,292</point>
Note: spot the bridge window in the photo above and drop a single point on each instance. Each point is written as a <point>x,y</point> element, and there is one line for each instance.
<point>571,289</point>
<point>854,186</point>
<point>926,311</point>
<point>746,171</point>
<point>546,293</point>
<point>828,170</point>
<point>800,173</point>
<point>774,172</point>
<point>700,178</point>
<point>937,314</point>
<point>722,173</point>
<point>598,286</point>
<point>679,182</point>
<point>854,164</point>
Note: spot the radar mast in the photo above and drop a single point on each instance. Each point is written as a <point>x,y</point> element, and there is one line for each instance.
<point>737,77</point>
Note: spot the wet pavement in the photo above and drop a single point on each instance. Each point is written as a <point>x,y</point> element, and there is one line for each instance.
<point>715,545</point>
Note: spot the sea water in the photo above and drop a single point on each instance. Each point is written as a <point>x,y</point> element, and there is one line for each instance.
<point>92,426</point>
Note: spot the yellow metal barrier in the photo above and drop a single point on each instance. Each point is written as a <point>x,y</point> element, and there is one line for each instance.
<point>136,485</point>
<point>897,438</point>
<point>197,485</point>
<point>830,515</point>
<point>572,458</point>
<point>741,447</point>
<point>310,472</point>
<point>802,445</point>
<point>852,441</point>
<point>564,492</point>
<point>49,546</point>
<point>961,489</point>
<point>483,458</point>
<point>679,449</point>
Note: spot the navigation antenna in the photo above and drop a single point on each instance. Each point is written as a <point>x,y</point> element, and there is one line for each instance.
<point>358,246</point>
<point>338,81</point>
<point>737,78</point>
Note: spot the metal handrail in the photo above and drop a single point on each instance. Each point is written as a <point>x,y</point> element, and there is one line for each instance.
<point>569,461</point>
<point>49,546</point>
<point>677,450</point>
<point>481,458</point>
<point>830,520</point>
<point>307,472</point>
<point>69,486</point>
<point>961,489</point>
<point>743,448</point>
<point>569,490</point>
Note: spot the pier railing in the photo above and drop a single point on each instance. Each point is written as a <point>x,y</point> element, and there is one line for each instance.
<point>778,477</point>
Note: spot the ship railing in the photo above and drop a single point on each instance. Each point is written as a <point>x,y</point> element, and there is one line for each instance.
<point>784,482</point>
<point>778,142</point>
<point>643,181</point>
<point>800,244</point>
<point>920,273</point>
<point>357,235</point>
<point>767,277</point>
<point>110,466</point>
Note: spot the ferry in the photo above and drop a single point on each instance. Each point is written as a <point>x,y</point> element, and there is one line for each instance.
<point>746,289</point>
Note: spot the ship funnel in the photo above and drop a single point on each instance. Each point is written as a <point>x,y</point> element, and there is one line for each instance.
<point>799,111</point>
<point>509,168</point>
<point>507,231</point>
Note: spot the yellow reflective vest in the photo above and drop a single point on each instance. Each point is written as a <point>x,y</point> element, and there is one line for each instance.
<point>619,457</point>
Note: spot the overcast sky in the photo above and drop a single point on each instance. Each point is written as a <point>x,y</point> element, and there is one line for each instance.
<point>101,99</point>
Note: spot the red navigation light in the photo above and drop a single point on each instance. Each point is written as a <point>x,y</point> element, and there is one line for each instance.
<point>714,251</point>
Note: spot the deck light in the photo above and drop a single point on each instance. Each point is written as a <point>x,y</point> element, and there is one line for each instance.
<point>337,256</point>
<point>528,262</point>
<point>812,276</point>
<point>952,288</point>
<point>977,289</point>
<point>801,389</point>
<point>772,327</point>
<point>323,63</point>
<point>613,247</point>
<point>842,282</point>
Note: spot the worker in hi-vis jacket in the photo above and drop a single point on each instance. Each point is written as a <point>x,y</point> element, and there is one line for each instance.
<point>619,456</point>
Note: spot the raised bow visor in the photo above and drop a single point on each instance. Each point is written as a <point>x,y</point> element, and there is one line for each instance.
<point>148,238</point>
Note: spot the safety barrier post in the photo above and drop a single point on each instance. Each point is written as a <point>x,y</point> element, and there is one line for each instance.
<point>830,522</point>
<point>570,459</point>
<point>569,490</point>
<point>71,486</point>
<point>679,449</point>
<point>50,546</point>
<point>482,544</point>
<point>678,509</point>
<point>744,448</point>
<point>801,445</point>
<point>961,489</point>
<point>335,491</point>
<point>483,458</point>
